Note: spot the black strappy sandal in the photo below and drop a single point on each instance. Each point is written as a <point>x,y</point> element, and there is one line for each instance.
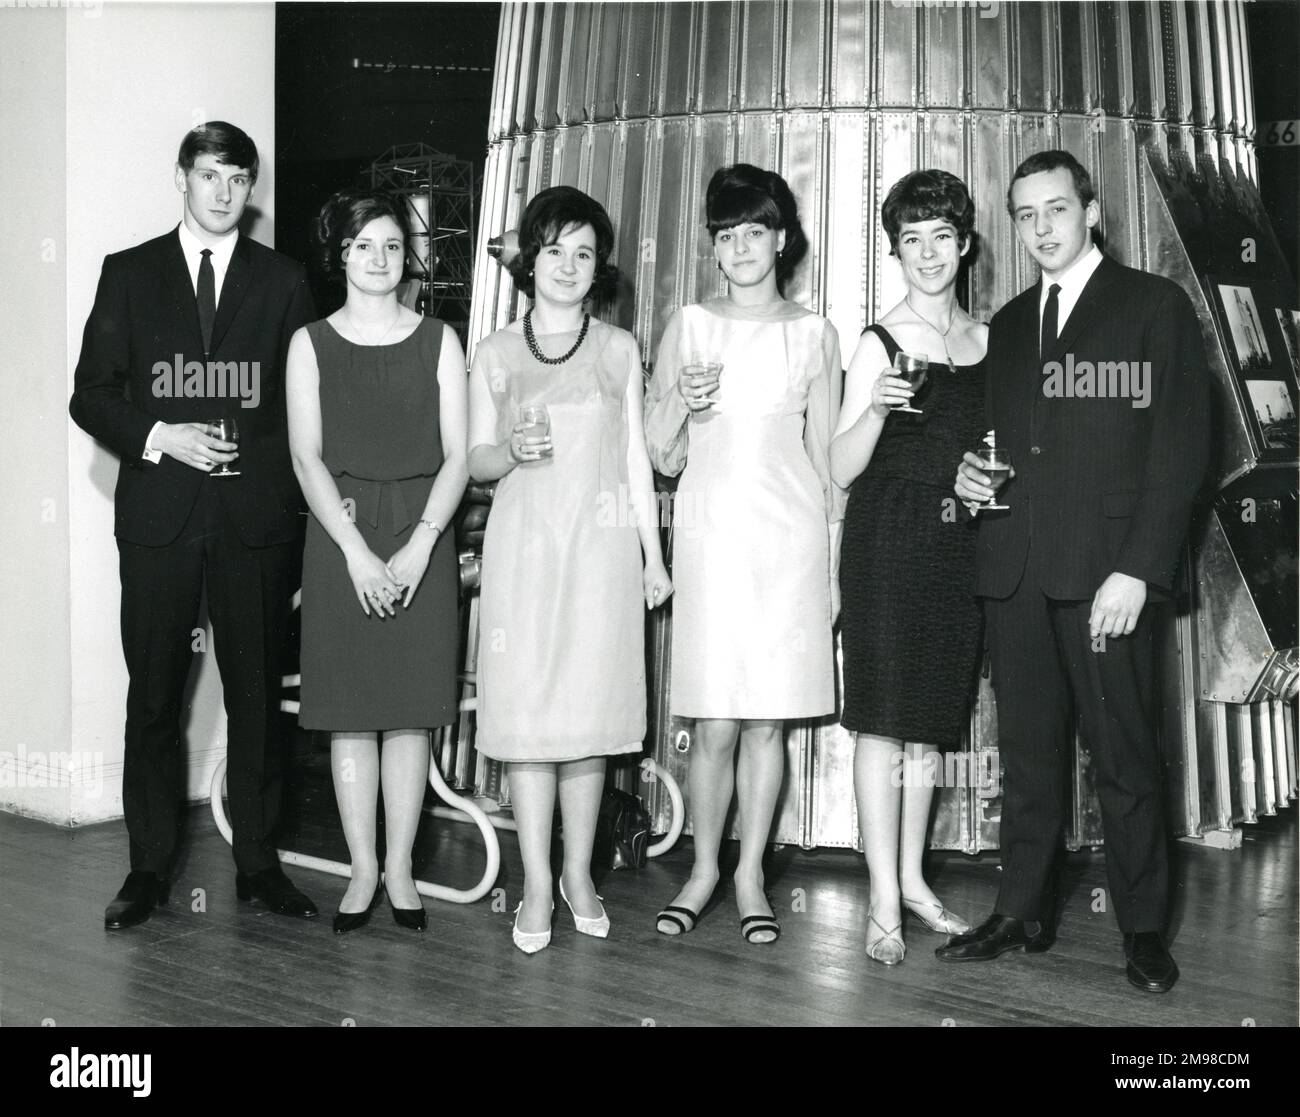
<point>751,925</point>
<point>673,916</point>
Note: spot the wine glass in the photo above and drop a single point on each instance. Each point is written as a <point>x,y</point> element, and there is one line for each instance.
<point>996,462</point>
<point>228,431</point>
<point>537,422</point>
<point>913,369</point>
<point>700,368</point>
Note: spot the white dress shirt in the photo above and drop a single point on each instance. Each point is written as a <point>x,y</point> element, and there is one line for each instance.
<point>193,249</point>
<point>1072,284</point>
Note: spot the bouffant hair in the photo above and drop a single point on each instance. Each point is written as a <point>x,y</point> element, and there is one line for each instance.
<point>743,194</point>
<point>928,196</point>
<point>546,218</point>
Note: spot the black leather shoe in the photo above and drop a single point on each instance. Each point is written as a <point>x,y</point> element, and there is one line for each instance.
<point>996,935</point>
<point>276,891</point>
<point>139,895</point>
<point>345,921</point>
<point>1150,967</point>
<point>413,919</point>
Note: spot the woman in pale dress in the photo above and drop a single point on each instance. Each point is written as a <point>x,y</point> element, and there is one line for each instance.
<point>911,625</point>
<point>561,673</point>
<point>742,404</point>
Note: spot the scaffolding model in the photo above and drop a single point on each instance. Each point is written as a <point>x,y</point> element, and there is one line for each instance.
<point>440,192</point>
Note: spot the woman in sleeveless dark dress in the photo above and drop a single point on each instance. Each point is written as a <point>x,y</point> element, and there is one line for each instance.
<point>910,622</point>
<point>377,428</point>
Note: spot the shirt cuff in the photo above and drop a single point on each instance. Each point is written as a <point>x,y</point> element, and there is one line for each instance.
<point>150,454</point>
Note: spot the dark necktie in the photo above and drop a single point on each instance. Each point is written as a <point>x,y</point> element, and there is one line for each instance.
<point>207,296</point>
<point>1048,338</point>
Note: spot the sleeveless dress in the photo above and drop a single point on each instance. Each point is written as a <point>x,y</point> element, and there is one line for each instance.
<point>380,441</point>
<point>750,561</point>
<point>561,666</point>
<point>911,625</point>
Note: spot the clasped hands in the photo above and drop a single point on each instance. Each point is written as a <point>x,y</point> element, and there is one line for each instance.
<point>380,585</point>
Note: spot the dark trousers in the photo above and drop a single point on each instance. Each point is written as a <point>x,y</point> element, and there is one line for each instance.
<point>1044,669</point>
<point>249,596</point>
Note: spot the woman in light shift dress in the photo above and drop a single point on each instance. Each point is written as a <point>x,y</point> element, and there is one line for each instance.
<point>743,402</point>
<point>561,670</point>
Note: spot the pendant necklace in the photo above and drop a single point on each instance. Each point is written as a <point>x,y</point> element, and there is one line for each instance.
<point>357,330</point>
<point>943,334</point>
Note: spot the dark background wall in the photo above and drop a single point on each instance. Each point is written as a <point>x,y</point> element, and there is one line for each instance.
<point>353,80</point>
<point>1274,29</point>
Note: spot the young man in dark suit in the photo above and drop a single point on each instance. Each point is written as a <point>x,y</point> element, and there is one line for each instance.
<point>1098,385</point>
<point>187,328</point>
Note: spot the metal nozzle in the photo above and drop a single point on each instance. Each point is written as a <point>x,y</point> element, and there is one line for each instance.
<point>504,248</point>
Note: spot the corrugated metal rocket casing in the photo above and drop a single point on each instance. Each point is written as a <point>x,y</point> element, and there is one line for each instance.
<point>638,104</point>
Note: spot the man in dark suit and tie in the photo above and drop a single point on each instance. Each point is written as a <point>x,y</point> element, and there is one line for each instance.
<point>188,328</point>
<point>1098,385</point>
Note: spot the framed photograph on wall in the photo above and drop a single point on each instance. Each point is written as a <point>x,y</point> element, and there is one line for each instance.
<point>1258,331</point>
<point>1245,327</point>
<point>1288,322</point>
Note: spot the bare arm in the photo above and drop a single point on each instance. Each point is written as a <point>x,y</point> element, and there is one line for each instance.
<point>869,392</point>
<point>641,484</point>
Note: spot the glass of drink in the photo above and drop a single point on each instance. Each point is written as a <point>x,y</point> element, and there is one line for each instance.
<point>228,431</point>
<point>913,369</point>
<point>699,370</point>
<point>537,422</point>
<point>996,462</point>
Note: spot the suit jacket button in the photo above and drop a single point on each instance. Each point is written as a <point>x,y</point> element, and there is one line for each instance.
<point>1035,449</point>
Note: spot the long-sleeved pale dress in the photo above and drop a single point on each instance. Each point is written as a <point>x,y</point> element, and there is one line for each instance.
<point>751,561</point>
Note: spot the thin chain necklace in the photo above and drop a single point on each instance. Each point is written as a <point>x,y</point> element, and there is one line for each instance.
<point>535,349</point>
<point>357,330</point>
<point>943,334</point>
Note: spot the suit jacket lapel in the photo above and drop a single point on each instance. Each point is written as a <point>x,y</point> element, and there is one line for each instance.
<point>178,293</point>
<point>1090,301</point>
<point>233,289</point>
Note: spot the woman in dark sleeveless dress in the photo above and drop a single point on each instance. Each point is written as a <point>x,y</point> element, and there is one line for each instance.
<point>910,621</point>
<point>377,428</point>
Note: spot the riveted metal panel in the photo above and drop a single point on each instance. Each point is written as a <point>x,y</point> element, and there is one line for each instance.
<point>640,103</point>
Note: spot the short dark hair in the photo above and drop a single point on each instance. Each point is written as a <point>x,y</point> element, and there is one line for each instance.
<point>743,194</point>
<point>347,213</point>
<point>546,218</point>
<point>229,144</point>
<point>1051,161</point>
<point>927,196</point>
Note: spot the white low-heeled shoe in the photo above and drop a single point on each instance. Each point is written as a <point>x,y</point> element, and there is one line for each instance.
<point>944,923</point>
<point>597,928</point>
<point>530,942</point>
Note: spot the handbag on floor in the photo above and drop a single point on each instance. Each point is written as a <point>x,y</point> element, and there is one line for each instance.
<point>622,833</point>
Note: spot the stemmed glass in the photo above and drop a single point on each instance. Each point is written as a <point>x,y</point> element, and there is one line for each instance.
<point>913,369</point>
<point>996,462</point>
<point>228,431</point>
